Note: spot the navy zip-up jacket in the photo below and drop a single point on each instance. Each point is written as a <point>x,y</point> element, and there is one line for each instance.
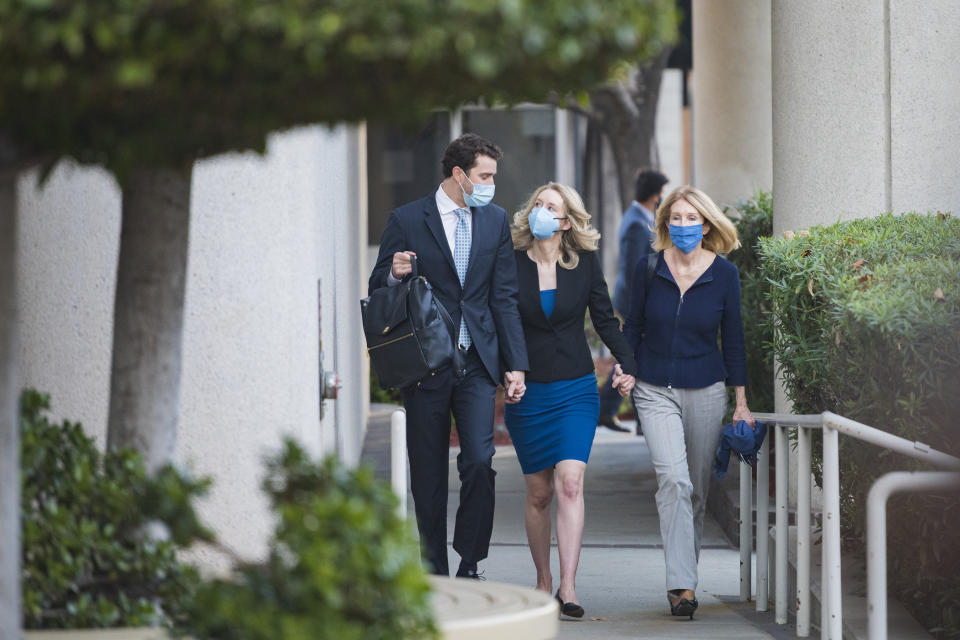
<point>674,338</point>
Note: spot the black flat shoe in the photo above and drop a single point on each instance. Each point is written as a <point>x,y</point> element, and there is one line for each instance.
<point>470,574</point>
<point>571,609</point>
<point>684,607</point>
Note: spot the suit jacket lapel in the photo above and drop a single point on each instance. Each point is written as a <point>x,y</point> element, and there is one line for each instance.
<point>564,284</point>
<point>529,280</point>
<point>476,234</point>
<point>432,219</point>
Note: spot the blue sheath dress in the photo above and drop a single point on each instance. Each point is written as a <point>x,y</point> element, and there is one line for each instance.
<point>554,421</point>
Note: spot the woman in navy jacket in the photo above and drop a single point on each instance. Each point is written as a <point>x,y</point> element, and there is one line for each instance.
<point>553,425</point>
<point>682,375</point>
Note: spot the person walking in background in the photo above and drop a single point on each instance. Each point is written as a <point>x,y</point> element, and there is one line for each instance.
<point>680,393</point>
<point>635,243</point>
<point>553,425</point>
<point>462,245</point>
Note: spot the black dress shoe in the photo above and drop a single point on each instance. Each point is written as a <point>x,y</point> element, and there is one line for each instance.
<point>469,573</point>
<point>683,607</point>
<point>571,609</point>
<point>611,422</point>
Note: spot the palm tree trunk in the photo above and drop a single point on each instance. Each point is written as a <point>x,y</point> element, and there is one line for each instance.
<point>148,314</point>
<point>9,412</point>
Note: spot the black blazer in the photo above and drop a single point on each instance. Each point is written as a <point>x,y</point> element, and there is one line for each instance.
<point>488,299</point>
<point>557,345</point>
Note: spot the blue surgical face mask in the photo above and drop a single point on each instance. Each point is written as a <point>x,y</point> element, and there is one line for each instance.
<point>481,196</point>
<point>543,224</point>
<point>686,238</point>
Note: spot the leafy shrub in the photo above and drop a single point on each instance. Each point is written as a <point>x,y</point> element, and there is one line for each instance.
<point>868,326</point>
<point>381,395</point>
<point>754,220</point>
<point>343,564</point>
<point>86,559</point>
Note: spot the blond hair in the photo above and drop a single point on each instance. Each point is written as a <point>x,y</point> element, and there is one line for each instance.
<point>722,237</point>
<point>581,236</point>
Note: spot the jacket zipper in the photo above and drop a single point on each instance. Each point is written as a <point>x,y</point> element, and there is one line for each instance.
<point>673,341</point>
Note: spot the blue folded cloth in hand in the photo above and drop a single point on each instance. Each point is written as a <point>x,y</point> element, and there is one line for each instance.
<point>743,440</point>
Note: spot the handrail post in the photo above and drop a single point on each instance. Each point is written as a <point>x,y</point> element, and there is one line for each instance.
<point>746,526</point>
<point>763,524</point>
<point>831,596</point>
<point>803,532</point>
<point>783,533</point>
<point>398,458</point>
<point>882,489</point>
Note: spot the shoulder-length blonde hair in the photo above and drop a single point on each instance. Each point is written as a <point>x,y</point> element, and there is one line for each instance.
<point>722,237</point>
<point>581,236</point>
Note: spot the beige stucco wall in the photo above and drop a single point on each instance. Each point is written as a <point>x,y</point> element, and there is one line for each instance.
<point>264,230</point>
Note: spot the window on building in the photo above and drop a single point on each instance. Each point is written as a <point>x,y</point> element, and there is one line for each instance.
<point>527,135</point>
<point>403,164</point>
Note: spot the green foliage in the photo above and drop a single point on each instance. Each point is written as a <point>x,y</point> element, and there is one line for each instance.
<point>86,559</point>
<point>754,220</point>
<point>868,326</point>
<point>381,395</point>
<point>134,83</point>
<point>343,565</point>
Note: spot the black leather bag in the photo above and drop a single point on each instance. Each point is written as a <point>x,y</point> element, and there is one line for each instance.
<point>409,333</point>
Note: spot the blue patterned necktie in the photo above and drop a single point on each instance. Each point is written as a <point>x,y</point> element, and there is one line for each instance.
<point>461,258</point>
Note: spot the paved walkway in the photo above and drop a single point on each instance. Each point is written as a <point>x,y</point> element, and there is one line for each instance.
<point>620,582</point>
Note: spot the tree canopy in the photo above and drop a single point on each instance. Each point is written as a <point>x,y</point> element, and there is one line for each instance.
<point>152,83</point>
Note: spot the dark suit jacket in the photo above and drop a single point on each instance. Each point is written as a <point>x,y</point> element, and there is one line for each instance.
<point>557,345</point>
<point>488,299</point>
<point>635,244</point>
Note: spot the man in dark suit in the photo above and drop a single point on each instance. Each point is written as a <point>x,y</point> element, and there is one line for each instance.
<point>462,245</point>
<point>635,244</point>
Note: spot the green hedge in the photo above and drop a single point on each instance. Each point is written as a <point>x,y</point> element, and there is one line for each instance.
<point>754,220</point>
<point>868,326</point>
<point>87,561</point>
<point>343,564</point>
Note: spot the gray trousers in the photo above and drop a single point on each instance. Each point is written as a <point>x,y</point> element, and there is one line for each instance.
<point>682,427</point>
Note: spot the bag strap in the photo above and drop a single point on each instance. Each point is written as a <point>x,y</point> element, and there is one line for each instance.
<point>444,315</point>
<point>651,270</point>
<point>415,271</point>
<point>453,330</point>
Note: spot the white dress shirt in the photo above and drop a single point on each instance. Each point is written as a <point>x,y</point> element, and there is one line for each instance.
<point>446,206</point>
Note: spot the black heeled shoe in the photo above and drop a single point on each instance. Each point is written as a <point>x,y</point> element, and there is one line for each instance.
<point>683,607</point>
<point>571,609</point>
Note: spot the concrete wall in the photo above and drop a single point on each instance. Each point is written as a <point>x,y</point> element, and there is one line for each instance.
<point>264,231</point>
<point>924,105</point>
<point>732,124</point>
<point>829,133</point>
<point>865,109</point>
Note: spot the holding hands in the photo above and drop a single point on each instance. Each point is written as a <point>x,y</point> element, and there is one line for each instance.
<point>514,386</point>
<point>621,381</point>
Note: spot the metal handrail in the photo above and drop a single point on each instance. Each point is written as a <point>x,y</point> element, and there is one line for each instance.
<point>831,617</point>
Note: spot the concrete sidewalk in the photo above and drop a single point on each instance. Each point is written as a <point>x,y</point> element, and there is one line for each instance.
<point>620,582</point>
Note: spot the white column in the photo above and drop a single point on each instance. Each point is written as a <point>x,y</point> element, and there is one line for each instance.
<point>669,136</point>
<point>731,98</point>
<point>924,98</point>
<point>830,133</point>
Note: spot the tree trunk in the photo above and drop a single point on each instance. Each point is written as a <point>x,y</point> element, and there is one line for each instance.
<point>148,314</point>
<point>9,412</point>
<point>627,113</point>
